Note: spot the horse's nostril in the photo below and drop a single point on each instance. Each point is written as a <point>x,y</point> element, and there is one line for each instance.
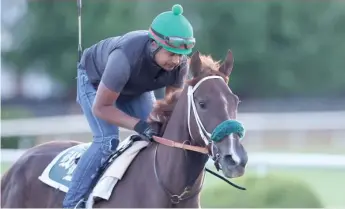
<point>229,161</point>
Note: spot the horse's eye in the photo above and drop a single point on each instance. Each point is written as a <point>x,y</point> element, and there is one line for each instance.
<point>202,105</point>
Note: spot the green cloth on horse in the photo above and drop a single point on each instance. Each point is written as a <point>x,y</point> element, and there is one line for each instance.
<point>226,128</point>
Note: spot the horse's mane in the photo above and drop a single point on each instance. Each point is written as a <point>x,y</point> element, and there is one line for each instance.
<point>163,108</point>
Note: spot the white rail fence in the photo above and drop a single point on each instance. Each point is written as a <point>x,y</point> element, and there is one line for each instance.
<point>295,121</point>
<point>76,124</point>
<point>261,161</point>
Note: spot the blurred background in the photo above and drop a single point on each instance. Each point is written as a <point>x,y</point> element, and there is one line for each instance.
<point>289,73</point>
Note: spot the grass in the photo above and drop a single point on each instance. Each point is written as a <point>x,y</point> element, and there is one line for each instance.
<point>329,185</point>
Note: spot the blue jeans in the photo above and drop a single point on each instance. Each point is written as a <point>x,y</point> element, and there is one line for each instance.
<point>105,136</point>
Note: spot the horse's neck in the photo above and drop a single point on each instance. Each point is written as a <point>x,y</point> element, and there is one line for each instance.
<point>175,164</point>
<point>177,127</point>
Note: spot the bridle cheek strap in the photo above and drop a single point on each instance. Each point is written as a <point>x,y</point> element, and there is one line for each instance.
<point>205,135</point>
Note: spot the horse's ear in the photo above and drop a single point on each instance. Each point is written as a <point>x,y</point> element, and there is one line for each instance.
<point>195,64</point>
<point>227,65</point>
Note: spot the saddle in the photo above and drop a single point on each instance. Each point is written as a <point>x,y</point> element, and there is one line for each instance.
<point>58,173</point>
<point>109,161</point>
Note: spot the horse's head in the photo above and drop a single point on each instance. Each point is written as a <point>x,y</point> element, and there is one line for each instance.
<point>212,106</point>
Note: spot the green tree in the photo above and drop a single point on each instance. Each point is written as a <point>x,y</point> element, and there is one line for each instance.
<point>281,48</point>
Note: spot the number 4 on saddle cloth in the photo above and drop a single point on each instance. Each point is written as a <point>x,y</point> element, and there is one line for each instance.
<point>58,173</point>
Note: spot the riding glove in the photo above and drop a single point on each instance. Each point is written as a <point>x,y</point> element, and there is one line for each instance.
<point>144,128</point>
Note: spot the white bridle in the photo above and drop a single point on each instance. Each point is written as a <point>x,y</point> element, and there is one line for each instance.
<point>205,135</point>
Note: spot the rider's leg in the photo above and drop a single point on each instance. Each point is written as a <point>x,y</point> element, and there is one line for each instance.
<point>105,141</point>
<point>105,138</point>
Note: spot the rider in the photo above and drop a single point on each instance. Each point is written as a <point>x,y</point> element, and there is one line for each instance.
<point>115,83</point>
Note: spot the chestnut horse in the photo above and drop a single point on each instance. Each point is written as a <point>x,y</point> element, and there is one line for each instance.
<point>169,172</point>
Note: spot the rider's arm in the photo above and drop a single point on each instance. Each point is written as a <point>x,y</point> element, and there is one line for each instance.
<point>182,75</point>
<point>116,75</point>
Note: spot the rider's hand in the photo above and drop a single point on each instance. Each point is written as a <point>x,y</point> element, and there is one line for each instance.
<point>144,128</point>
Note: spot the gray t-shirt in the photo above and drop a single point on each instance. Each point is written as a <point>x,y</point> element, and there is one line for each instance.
<point>124,65</point>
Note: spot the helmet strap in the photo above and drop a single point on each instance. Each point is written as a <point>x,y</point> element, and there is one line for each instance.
<point>154,51</point>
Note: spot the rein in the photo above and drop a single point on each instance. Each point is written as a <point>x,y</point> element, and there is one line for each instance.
<point>205,135</point>
<point>172,143</point>
<point>203,150</point>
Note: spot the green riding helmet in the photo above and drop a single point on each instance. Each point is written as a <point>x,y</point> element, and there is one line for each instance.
<point>172,31</point>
